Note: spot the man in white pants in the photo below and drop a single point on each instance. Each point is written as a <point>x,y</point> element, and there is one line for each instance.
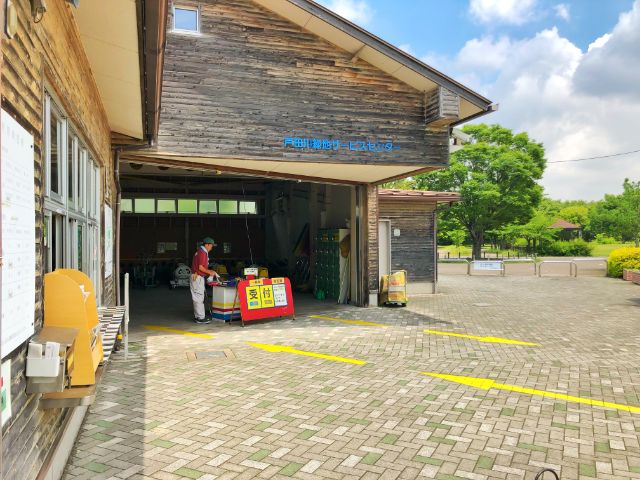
<point>199,272</point>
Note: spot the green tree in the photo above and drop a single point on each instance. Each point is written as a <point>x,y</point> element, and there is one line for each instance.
<point>496,177</point>
<point>536,231</point>
<point>619,215</point>
<point>577,214</point>
<point>457,238</point>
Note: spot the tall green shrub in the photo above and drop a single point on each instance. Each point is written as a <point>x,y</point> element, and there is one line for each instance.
<point>628,257</point>
<point>574,248</point>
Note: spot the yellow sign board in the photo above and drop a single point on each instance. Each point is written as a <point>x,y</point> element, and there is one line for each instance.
<point>266,296</point>
<point>259,281</point>
<point>254,299</point>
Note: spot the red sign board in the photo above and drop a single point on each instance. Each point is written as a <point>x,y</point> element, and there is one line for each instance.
<point>265,298</point>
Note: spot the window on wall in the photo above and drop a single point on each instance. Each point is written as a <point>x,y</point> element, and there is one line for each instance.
<point>228,207</point>
<point>145,205</point>
<point>208,206</point>
<point>166,206</point>
<point>186,19</point>
<point>54,135</point>
<point>247,208</point>
<point>188,206</point>
<point>126,205</point>
<point>72,197</point>
<point>72,156</point>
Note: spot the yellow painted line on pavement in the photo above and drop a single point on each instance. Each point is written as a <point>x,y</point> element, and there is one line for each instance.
<point>179,332</point>
<point>285,349</point>
<point>350,322</point>
<point>487,384</point>
<point>479,338</point>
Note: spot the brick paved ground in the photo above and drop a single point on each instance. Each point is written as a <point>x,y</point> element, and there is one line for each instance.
<point>279,415</point>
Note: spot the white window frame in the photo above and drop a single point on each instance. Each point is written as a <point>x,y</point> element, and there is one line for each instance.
<point>78,203</point>
<point>71,196</point>
<point>180,30</point>
<point>60,196</point>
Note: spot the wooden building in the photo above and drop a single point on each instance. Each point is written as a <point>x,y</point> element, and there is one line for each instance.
<point>304,112</point>
<point>407,240</point>
<point>75,81</point>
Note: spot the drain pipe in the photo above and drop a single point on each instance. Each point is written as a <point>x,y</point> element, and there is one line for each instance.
<point>116,174</point>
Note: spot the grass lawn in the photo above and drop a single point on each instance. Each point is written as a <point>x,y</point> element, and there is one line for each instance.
<point>605,250</point>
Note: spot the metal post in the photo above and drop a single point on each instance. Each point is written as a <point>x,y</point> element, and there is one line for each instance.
<point>126,316</point>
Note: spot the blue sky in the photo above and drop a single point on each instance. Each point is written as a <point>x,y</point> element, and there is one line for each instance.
<point>565,71</point>
<point>443,26</point>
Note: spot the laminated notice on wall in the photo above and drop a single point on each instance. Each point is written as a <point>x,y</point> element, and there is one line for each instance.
<point>18,282</point>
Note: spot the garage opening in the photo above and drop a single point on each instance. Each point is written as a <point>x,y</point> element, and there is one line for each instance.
<point>288,228</point>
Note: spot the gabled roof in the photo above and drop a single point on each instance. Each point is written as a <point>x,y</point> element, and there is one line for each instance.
<point>563,224</point>
<point>364,45</point>
<point>418,195</point>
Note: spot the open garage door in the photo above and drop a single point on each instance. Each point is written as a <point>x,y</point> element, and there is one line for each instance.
<point>295,229</point>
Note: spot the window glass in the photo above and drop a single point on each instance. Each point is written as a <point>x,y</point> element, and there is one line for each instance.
<point>248,208</point>
<point>126,205</point>
<point>80,240</point>
<point>208,206</point>
<point>70,170</point>
<point>228,207</point>
<point>166,206</point>
<point>82,180</point>
<point>187,205</point>
<point>54,141</point>
<point>185,19</point>
<point>145,205</point>
<point>95,197</point>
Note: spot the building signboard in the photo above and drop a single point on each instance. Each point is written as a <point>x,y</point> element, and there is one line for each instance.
<point>326,144</point>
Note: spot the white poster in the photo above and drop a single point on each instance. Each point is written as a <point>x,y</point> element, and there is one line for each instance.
<point>5,390</point>
<point>280,295</point>
<point>18,280</point>
<point>108,241</point>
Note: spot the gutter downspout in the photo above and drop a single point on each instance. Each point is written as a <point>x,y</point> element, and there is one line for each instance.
<point>116,175</point>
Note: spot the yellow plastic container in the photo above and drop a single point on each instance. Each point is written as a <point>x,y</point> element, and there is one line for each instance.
<point>70,301</point>
<point>393,289</point>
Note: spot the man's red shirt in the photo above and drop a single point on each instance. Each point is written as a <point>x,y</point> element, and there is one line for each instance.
<point>200,259</point>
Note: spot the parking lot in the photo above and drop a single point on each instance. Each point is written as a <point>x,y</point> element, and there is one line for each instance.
<point>539,372</point>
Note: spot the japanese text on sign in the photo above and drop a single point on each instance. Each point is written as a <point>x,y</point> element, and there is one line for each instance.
<point>336,145</point>
<point>266,296</point>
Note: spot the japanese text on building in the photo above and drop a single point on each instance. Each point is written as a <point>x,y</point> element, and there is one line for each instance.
<point>337,145</point>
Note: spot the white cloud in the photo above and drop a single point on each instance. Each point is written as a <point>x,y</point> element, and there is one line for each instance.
<point>407,48</point>
<point>599,42</point>
<point>514,12</point>
<point>357,11</point>
<point>579,104</point>
<point>563,11</point>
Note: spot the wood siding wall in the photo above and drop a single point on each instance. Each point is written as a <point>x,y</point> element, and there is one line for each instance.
<point>442,107</point>
<point>48,52</point>
<point>252,78</point>
<point>413,250</point>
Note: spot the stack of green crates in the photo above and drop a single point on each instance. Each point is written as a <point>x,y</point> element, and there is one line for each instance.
<point>327,253</point>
